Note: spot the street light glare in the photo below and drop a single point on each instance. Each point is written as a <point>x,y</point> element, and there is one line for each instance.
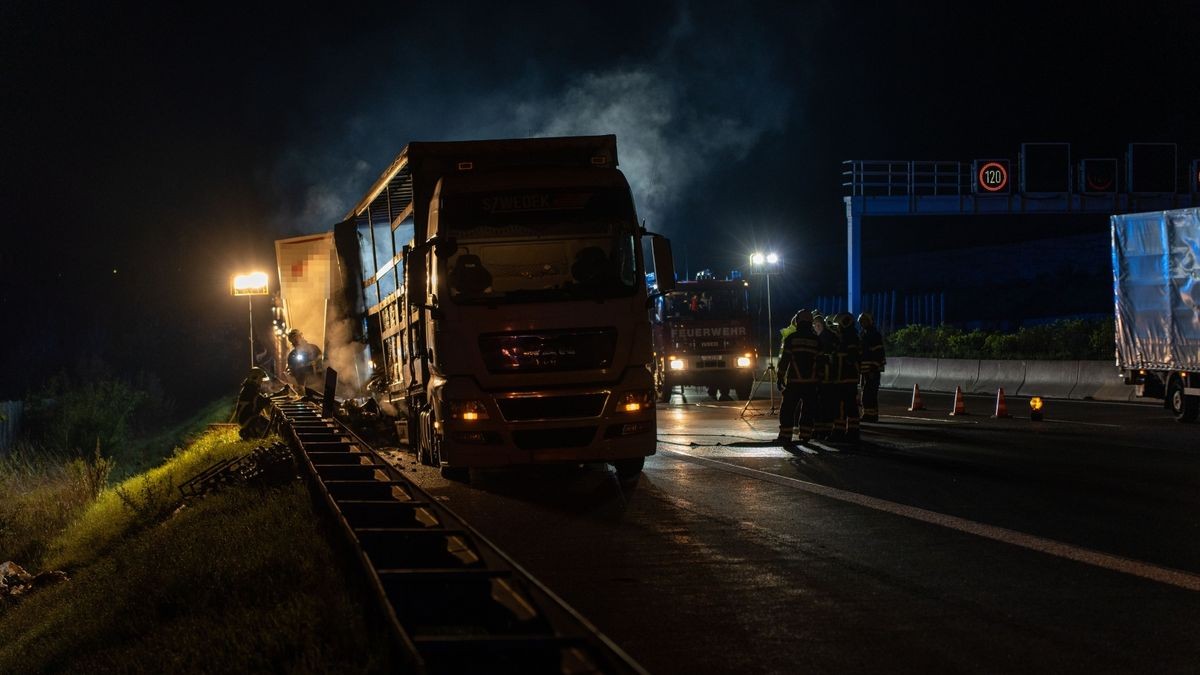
<point>757,259</point>
<point>772,258</point>
<point>254,283</point>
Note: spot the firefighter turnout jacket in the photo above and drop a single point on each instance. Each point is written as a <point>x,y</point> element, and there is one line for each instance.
<point>798,356</point>
<point>849,351</point>
<point>873,357</point>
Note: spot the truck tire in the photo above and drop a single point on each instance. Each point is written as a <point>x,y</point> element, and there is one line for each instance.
<point>714,393</point>
<point>1185,408</point>
<point>423,439</point>
<point>629,469</point>
<point>743,391</point>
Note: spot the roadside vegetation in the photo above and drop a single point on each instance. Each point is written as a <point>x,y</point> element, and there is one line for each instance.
<point>241,580</point>
<point>1061,340</point>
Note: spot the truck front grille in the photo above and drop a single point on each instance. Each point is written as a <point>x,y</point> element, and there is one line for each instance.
<point>576,406</point>
<point>548,351</point>
<point>543,439</point>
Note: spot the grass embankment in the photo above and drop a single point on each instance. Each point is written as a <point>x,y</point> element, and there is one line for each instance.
<point>240,581</point>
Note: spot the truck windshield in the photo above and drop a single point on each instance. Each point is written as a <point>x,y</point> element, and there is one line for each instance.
<point>707,304</point>
<point>519,246</point>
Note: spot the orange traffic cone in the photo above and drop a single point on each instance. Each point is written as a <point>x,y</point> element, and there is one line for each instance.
<point>917,404</point>
<point>960,408</point>
<point>1001,404</point>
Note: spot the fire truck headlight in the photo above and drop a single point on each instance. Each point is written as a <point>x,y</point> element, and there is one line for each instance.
<point>677,364</point>
<point>468,411</point>
<point>635,401</point>
<point>743,361</point>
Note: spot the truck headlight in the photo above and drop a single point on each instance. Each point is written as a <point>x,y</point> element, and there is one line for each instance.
<point>743,361</point>
<point>468,411</point>
<point>677,364</point>
<point>635,401</point>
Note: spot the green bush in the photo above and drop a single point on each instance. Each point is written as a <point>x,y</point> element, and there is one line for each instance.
<point>1062,340</point>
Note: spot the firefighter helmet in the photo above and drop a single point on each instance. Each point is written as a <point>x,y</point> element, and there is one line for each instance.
<point>802,316</point>
<point>257,373</point>
<point>844,319</point>
<point>866,319</point>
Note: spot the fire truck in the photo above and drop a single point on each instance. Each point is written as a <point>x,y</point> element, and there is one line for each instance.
<point>499,287</point>
<point>703,337</point>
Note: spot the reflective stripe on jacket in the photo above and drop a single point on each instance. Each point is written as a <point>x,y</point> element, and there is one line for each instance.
<point>798,356</point>
<point>873,357</point>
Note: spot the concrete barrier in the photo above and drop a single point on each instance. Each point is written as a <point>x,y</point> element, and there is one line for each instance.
<point>996,374</point>
<point>952,373</point>
<point>914,370</point>
<point>1101,381</point>
<point>1052,379</point>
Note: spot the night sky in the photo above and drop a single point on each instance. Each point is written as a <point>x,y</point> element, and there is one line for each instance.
<point>150,152</point>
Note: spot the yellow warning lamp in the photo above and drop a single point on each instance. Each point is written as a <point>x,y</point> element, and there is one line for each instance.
<point>1035,408</point>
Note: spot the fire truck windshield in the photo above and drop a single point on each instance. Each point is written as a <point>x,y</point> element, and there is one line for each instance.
<point>706,304</point>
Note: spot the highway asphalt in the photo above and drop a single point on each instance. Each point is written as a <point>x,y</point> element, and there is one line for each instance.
<point>940,544</point>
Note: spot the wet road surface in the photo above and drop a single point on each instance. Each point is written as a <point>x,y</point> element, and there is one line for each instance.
<point>941,543</point>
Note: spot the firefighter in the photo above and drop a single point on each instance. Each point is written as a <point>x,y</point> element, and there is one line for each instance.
<point>797,379</point>
<point>303,360</point>
<point>826,400</point>
<point>871,365</point>
<point>848,354</point>
<point>252,405</point>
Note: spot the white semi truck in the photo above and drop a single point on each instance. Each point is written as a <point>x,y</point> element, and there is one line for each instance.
<point>501,292</point>
<point>1156,292</point>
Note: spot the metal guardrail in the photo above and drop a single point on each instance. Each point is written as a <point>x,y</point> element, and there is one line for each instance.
<point>453,601</point>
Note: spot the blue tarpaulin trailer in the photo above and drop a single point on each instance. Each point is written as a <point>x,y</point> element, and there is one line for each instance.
<point>1156,294</point>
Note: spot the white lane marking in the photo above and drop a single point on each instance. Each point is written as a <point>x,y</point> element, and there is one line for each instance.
<point>1137,568</point>
<point>930,419</point>
<point>1090,424</point>
<point>734,452</point>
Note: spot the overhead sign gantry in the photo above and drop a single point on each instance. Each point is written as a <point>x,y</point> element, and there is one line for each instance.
<point>1047,182</point>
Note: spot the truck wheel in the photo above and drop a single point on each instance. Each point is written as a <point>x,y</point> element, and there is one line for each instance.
<point>743,391</point>
<point>1185,408</point>
<point>422,440</point>
<point>714,393</point>
<point>629,469</point>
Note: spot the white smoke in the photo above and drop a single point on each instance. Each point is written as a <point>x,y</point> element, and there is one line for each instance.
<point>697,103</point>
<point>663,143</point>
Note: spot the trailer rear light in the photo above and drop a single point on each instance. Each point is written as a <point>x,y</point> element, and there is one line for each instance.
<point>466,166</point>
<point>744,361</point>
<point>635,401</point>
<point>468,411</point>
<point>1035,408</point>
<point>677,364</point>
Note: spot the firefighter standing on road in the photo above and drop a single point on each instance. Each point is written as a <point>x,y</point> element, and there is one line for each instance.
<point>871,365</point>
<point>848,354</point>
<point>826,399</point>
<point>798,379</point>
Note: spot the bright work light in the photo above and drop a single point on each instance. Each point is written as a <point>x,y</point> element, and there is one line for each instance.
<point>254,283</point>
<point>250,285</point>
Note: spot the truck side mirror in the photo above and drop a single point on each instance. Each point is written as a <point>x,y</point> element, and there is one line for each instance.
<point>664,263</point>
<point>444,247</point>
<point>415,276</point>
